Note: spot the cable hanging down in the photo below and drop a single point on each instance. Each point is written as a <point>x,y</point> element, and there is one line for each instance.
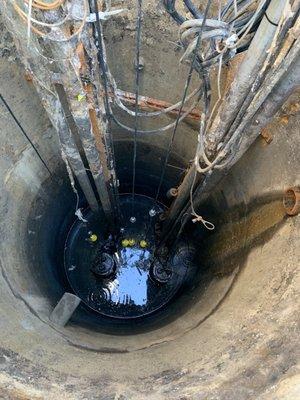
<point>137,88</point>
<point>219,33</point>
<point>207,42</point>
<point>231,33</point>
<point>25,134</point>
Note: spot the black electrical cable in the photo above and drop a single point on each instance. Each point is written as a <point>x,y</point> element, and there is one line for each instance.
<point>170,7</point>
<point>25,134</point>
<point>206,92</point>
<point>195,65</point>
<point>105,78</point>
<point>103,72</point>
<point>271,22</point>
<point>107,83</point>
<point>188,81</point>
<point>100,55</point>
<point>192,9</point>
<point>137,88</point>
<point>227,12</point>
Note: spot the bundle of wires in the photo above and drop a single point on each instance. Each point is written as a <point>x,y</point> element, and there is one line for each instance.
<point>229,33</point>
<point>26,8</point>
<point>238,17</point>
<point>222,37</point>
<point>45,6</point>
<point>226,35</point>
<point>113,92</point>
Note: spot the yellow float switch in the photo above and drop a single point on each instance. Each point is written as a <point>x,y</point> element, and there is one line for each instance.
<point>143,244</point>
<point>131,242</point>
<point>93,238</point>
<point>125,243</point>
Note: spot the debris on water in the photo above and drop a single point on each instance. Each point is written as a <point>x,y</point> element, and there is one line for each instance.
<point>152,212</point>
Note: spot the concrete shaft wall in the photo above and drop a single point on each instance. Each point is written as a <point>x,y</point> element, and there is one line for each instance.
<point>237,340</point>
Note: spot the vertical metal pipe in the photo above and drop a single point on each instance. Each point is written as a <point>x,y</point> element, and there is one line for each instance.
<point>71,120</point>
<point>241,86</point>
<point>268,101</point>
<point>246,75</point>
<point>71,150</point>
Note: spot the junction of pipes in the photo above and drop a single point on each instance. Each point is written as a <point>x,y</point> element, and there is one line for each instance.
<point>150,199</point>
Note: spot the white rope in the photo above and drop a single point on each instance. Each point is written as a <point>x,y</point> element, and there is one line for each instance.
<point>78,211</point>
<point>198,218</point>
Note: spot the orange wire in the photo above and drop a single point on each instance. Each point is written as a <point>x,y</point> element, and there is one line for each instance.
<point>46,6</point>
<point>24,18</point>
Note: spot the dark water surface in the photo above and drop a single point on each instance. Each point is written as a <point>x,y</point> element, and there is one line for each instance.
<point>129,290</point>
